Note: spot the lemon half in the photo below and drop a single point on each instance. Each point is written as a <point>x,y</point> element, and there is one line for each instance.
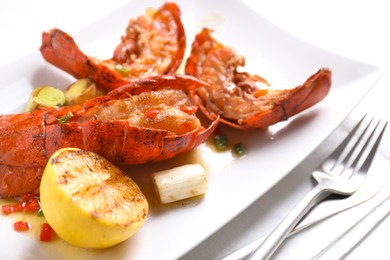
<point>88,201</point>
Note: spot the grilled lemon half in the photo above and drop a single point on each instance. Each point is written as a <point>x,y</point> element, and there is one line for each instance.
<point>88,201</point>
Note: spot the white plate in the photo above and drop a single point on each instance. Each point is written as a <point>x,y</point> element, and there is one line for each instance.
<point>282,59</point>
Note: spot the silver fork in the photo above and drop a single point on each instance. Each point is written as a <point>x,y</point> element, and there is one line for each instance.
<point>341,173</point>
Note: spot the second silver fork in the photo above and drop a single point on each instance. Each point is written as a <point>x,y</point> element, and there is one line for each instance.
<point>341,173</point>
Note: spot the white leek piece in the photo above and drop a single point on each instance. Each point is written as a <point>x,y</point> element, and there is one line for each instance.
<point>180,183</point>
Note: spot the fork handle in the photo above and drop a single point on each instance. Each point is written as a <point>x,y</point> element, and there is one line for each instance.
<point>277,236</point>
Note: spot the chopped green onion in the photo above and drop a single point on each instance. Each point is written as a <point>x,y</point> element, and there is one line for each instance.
<point>240,149</point>
<point>122,70</point>
<point>64,119</point>
<point>40,213</point>
<point>221,142</point>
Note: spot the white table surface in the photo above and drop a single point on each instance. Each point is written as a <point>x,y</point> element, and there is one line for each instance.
<point>356,29</point>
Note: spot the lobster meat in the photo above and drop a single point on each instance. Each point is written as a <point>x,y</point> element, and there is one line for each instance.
<point>154,44</point>
<point>150,119</point>
<point>236,97</point>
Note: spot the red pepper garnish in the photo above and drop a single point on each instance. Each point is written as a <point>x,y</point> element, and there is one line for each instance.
<point>47,233</point>
<point>29,204</point>
<point>8,209</point>
<point>32,206</point>
<point>22,226</point>
<point>152,113</point>
<point>189,109</point>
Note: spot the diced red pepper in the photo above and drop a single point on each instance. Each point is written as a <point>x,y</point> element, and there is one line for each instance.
<point>47,233</point>
<point>29,204</point>
<point>152,113</point>
<point>8,209</point>
<point>32,206</point>
<point>189,109</point>
<point>22,226</point>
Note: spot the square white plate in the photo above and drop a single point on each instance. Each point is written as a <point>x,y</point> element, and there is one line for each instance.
<point>234,184</point>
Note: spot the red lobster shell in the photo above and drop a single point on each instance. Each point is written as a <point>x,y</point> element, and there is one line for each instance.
<point>236,97</point>
<point>151,119</point>
<point>154,44</point>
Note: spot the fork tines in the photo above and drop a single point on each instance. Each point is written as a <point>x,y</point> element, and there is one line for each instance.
<point>358,149</point>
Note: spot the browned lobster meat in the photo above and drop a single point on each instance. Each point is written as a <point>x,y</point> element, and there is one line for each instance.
<point>236,96</point>
<point>154,44</point>
<point>151,119</point>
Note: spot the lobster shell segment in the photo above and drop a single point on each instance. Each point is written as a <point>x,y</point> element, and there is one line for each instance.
<point>154,44</point>
<point>157,123</point>
<point>237,97</point>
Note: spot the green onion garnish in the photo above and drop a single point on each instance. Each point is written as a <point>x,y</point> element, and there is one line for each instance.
<point>40,213</point>
<point>122,70</point>
<point>221,142</point>
<point>64,119</point>
<point>240,149</point>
